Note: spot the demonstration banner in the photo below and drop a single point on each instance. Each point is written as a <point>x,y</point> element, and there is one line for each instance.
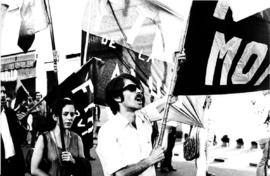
<point>224,56</point>
<point>119,60</point>
<point>34,18</point>
<point>79,87</point>
<point>135,37</point>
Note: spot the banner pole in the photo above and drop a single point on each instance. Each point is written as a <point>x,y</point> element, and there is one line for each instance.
<point>179,56</point>
<point>55,60</point>
<point>87,36</point>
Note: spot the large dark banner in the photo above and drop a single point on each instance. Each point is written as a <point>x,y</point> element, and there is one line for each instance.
<point>118,59</point>
<point>79,87</point>
<point>223,56</point>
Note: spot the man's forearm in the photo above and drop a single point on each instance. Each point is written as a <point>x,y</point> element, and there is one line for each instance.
<point>134,169</point>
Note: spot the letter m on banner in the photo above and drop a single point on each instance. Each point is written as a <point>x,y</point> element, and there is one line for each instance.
<point>223,55</point>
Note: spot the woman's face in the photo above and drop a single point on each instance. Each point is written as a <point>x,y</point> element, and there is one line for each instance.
<point>68,115</point>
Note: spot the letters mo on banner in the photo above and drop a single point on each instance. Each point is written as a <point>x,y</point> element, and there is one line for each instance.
<point>224,56</point>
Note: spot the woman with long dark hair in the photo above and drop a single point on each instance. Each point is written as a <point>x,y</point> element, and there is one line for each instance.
<point>49,144</point>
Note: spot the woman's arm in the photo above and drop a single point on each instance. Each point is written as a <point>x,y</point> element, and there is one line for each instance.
<point>37,157</point>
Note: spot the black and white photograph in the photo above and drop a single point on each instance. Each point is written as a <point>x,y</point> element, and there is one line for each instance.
<point>135,87</point>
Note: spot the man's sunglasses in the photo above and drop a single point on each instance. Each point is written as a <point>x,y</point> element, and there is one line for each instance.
<point>131,87</point>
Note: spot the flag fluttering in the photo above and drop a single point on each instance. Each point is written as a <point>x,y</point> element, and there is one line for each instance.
<point>137,36</point>
<point>187,110</point>
<point>143,26</point>
<point>224,56</point>
<point>34,18</point>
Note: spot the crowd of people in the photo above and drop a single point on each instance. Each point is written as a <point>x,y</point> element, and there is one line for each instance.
<point>126,142</point>
<point>57,151</point>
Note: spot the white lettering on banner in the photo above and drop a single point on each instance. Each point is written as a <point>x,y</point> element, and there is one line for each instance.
<point>149,58</point>
<point>106,41</point>
<point>252,48</point>
<point>227,51</point>
<point>83,86</point>
<point>140,55</point>
<point>264,75</point>
<point>91,105</point>
<point>77,114</point>
<point>221,49</point>
<point>80,124</point>
<point>88,131</point>
<point>89,119</point>
<point>221,9</point>
<point>116,71</point>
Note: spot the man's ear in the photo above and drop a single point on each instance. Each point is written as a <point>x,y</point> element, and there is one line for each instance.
<point>118,99</point>
<point>55,117</point>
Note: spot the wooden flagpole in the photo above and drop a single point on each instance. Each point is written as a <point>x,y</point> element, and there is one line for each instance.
<point>87,35</point>
<point>179,56</point>
<point>55,60</point>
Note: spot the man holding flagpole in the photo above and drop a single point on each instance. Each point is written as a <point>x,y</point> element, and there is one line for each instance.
<point>124,142</point>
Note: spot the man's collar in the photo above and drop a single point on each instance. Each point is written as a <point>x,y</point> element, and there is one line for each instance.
<point>121,120</point>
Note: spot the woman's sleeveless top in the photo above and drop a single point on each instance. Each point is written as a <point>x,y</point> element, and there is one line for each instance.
<point>53,156</point>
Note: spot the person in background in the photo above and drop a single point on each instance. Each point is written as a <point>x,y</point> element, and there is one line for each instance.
<point>262,165</point>
<point>12,161</point>
<point>124,141</point>
<point>206,140</point>
<point>64,109</point>
<point>39,115</point>
<point>265,146</point>
<point>166,165</point>
<point>267,120</point>
<point>42,107</point>
<point>8,101</point>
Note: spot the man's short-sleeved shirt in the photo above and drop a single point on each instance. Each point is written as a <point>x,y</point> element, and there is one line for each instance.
<point>120,144</point>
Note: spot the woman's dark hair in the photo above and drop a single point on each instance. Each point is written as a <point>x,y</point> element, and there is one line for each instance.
<point>56,110</point>
<point>114,90</point>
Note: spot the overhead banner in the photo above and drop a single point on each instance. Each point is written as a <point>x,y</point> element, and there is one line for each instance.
<point>117,59</point>
<point>139,35</point>
<point>224,56</point>
<point>34,18</point>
